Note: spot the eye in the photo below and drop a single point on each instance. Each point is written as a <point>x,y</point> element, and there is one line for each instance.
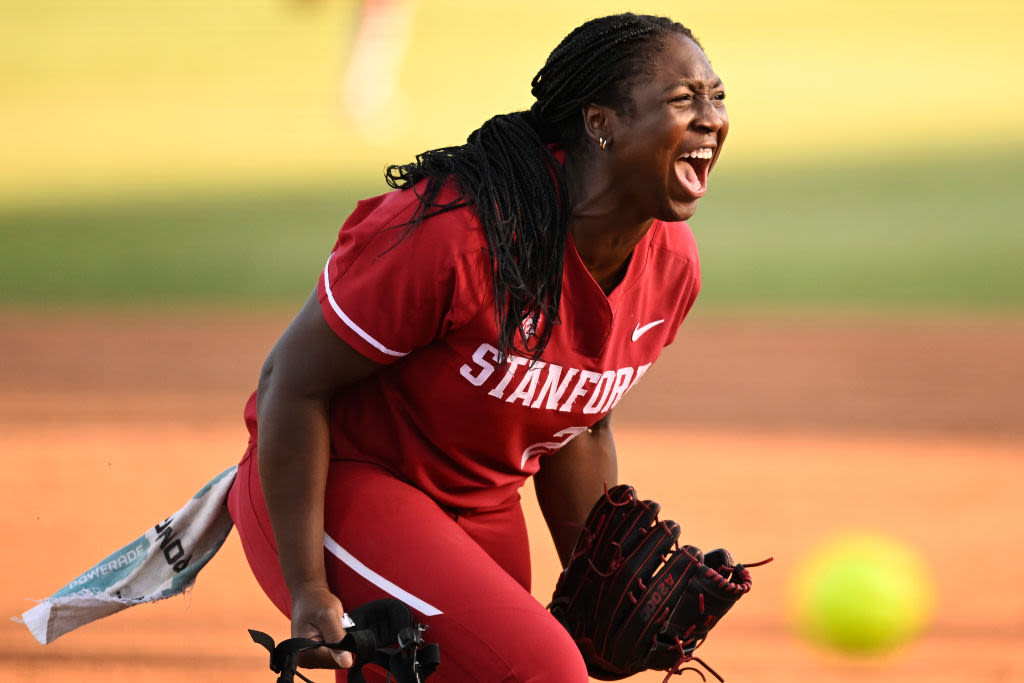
<point>718,97</point>
<point>683,98</point>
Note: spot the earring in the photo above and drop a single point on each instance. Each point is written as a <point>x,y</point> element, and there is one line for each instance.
<point>603,142</point>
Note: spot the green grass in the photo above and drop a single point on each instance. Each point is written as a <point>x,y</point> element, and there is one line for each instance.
<point>926,235</point>
<point>247,249</point>
<point>931,234</point>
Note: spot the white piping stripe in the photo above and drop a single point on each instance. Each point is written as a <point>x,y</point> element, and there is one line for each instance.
<point>348,321</point>
<point>377,580</point>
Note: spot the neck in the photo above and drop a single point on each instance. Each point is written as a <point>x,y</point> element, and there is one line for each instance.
<point>603,228</point>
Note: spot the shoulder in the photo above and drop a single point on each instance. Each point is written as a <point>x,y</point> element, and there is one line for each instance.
<point>674,239</point>
<point>674,267</point>
<point>673,249</point>
<point>385,223</point>
<point>391,285</point>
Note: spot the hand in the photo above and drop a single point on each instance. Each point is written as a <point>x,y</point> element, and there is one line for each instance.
<point>317,614</point>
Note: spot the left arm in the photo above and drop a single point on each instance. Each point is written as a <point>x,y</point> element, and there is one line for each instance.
<point>570,482</point>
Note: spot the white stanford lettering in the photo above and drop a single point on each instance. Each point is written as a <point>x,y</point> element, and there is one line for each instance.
<point>549,386</point>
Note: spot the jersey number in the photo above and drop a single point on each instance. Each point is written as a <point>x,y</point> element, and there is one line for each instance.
<point>544,447</point>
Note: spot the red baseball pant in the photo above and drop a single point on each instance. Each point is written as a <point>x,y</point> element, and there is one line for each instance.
<point>466,576</point>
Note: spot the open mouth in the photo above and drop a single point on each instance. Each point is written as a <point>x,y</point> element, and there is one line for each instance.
<point>692,169</point>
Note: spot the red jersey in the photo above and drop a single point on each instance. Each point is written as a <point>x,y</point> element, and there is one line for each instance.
<point>442,413</point>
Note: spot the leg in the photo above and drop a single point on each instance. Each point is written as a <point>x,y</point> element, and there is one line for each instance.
<point>390,540</point>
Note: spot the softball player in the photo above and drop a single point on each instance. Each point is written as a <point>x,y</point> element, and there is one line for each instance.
<point>470,329</point>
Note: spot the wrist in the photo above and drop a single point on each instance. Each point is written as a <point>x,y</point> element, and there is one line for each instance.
<point>307,586</point>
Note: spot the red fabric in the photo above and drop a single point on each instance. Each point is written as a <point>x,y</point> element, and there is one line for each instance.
<point>474,569</point>
<point>448,418</point>
<point>428,453</point>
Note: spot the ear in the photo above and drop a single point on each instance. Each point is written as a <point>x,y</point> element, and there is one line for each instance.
<point>597,122</point>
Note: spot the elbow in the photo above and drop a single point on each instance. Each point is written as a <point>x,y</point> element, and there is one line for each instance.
<point>265,385</point>
<point>265,373</point>
<point>266,376</point>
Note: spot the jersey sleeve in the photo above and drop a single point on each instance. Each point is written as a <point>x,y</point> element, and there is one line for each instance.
<point>387,291</point>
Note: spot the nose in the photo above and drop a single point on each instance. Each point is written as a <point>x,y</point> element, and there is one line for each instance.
<point>709,115</point>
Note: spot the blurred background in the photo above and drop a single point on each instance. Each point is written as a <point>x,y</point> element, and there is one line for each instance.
<point>175,173</point>
<point>874,158</point>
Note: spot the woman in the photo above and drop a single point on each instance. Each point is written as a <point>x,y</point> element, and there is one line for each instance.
<point>473,328</point>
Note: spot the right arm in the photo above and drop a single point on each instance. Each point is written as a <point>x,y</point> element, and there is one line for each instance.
<point>307,365</point>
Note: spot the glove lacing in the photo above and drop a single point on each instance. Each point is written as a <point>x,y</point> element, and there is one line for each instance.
<point>687,644</point>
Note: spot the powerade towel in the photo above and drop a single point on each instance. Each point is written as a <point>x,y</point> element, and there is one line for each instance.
<point>161,563</point>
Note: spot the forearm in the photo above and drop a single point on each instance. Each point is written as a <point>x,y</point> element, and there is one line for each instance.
<point>571,480</point>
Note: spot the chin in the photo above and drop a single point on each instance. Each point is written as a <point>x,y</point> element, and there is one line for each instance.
<point>680,211</point>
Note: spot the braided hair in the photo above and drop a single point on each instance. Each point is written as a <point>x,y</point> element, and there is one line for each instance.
<point>507,172</point>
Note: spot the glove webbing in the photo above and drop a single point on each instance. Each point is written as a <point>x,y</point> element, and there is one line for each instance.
<point>689,643</point>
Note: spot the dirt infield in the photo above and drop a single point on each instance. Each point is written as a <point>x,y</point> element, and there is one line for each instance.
<point>918,376</point>
<point>764,436</point>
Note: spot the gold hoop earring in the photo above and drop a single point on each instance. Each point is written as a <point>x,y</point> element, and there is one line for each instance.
<point>603,142</point>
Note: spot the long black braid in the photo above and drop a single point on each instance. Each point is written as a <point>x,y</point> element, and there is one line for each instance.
<point>508,173</point>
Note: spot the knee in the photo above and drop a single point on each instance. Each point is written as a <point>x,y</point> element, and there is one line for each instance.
<point>551,657</point>
<point>514,646</point>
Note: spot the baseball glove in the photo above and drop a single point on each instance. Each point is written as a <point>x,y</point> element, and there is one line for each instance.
<point>634,599</point>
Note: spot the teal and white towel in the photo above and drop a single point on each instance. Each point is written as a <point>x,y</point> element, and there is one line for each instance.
<point>161,563</point>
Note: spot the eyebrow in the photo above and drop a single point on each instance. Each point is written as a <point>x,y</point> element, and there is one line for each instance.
<point>695,85</point>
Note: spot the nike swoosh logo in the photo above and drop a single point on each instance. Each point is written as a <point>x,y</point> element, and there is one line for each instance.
<point>639,331</point>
